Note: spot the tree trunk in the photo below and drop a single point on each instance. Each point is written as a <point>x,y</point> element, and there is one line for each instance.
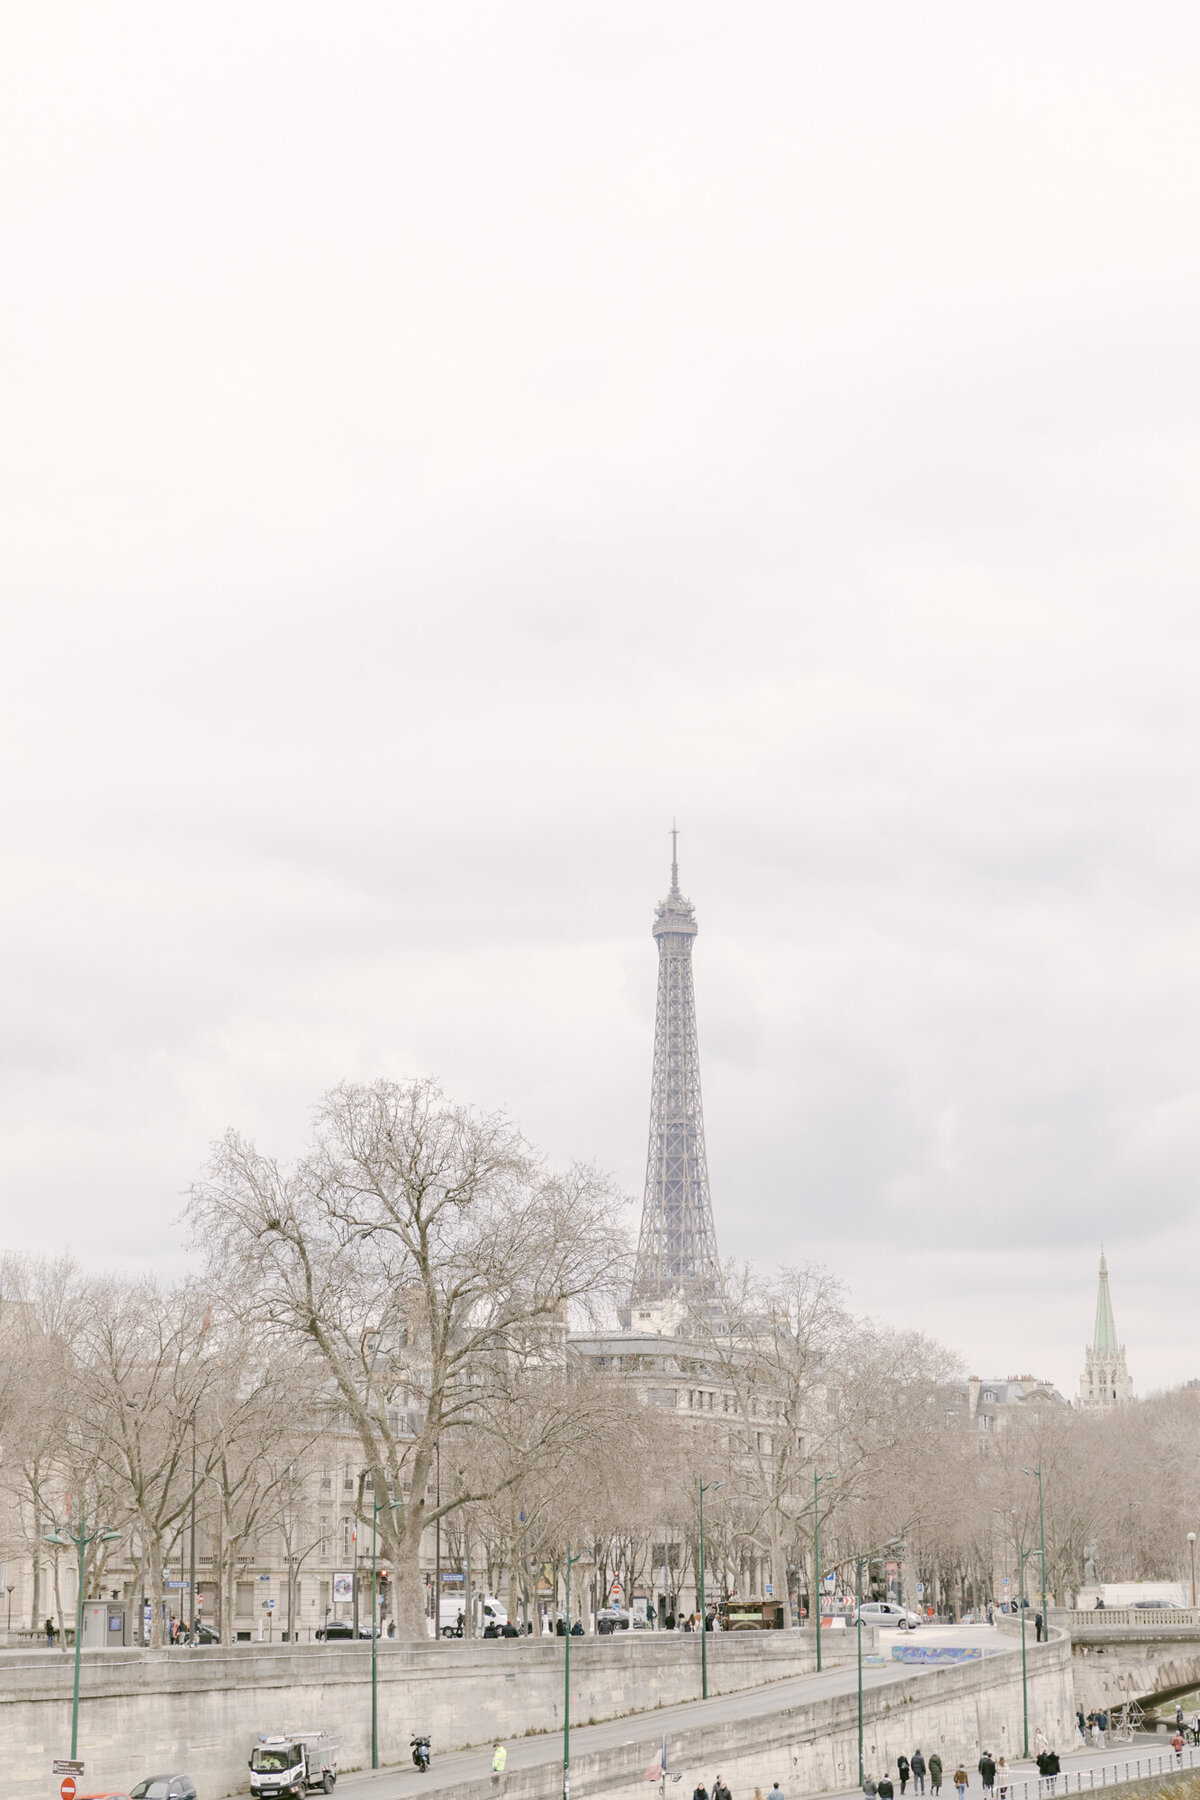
<point>35,1622</point>
<point>156,1591</point>
<point>410,1596</point>
<point>779,1575</point>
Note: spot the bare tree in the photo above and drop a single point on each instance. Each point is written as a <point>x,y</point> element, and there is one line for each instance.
<point>422,1250</point>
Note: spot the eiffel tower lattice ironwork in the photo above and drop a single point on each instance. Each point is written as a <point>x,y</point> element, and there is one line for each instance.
<point>677,1248</point>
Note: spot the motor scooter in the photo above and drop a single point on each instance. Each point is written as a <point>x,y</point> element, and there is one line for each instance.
<point>420,1750</point>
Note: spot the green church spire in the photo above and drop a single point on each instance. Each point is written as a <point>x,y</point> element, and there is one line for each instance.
<point>1104,1344</point>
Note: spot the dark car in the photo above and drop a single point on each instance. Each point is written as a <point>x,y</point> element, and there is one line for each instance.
<point>336,1628</point>
<point>164,1787</point>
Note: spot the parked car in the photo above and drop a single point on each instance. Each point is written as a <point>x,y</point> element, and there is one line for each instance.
<point>338,1628</point>
<point>164,1787</point>
<point>1157,1606</point>
<point>889,1614</point>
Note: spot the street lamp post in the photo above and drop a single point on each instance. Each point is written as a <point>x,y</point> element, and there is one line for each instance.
<point>81,1539</point>
<point>392,1506</point>
<point>816,1595</point>
<point>860,1561</point>
<point>1191,1547</point>
<point>704,1488</point>
<point>1023,1557</point>
<point>566,1786</point>
<point>1042,1532</point>
<point>192,1542</point>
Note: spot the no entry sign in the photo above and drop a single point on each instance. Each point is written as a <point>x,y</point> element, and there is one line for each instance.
<point>67,1790</point>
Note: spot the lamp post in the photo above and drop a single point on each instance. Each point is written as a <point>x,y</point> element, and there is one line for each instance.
<point>566,1786</point>
<point>392,1506</point>
<point>1023,1557</point>
<point>704,1488</point>
<point>1042,1531</point>
<point>1191,1547</point>
<point>81,1539</point>
<point>816,1597</point>
<point>867,1557</point>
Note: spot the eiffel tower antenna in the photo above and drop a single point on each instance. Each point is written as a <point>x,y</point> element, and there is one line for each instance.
<point>677,1247</point>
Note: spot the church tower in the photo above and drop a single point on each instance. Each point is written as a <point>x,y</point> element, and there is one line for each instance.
<point>1105,1381</point>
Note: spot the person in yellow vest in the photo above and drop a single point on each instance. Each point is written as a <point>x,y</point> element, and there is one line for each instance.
<point>499,1763</point>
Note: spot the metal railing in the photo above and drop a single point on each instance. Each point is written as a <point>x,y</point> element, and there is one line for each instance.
<point>1109,1774</point>
<point>1102,1618</point>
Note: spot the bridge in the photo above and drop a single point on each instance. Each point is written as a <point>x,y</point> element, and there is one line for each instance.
<point>1128,1653</point>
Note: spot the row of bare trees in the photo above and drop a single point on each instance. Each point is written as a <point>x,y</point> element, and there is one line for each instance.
<point>407,1283</point>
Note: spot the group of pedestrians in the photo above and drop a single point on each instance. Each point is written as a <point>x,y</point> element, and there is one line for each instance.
<point>914,1770</point>
<point>1092,1725</point>
<point>993,1774</point>
<point>719,1791</point>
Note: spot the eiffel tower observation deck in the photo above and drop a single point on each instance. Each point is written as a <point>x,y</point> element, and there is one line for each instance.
<point>677,1247</point>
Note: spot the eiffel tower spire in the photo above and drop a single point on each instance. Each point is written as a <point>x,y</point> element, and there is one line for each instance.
<point>677,1248</point>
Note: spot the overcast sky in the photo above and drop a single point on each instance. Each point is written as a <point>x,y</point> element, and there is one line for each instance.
<point>442,442</point>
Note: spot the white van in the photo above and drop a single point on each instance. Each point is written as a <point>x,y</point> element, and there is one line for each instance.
<point>488,1611</point>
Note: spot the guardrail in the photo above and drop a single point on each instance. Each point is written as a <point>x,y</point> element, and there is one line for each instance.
<point>1076,1781</point>
<point>1100,1618</point>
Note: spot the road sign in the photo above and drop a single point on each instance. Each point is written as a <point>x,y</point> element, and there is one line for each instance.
<point>270,1606</point>
<point>67,1790</point>
<point>769,1591</point>
<point>920,1590</point>
<point>65,1766</point>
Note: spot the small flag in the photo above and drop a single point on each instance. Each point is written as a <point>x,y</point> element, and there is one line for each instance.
<point>658,1769</point>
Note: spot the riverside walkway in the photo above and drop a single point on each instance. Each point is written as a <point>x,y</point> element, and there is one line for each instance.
<point>634,1740</point>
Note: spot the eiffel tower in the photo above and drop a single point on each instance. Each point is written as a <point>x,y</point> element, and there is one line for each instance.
<point>677,1247</point>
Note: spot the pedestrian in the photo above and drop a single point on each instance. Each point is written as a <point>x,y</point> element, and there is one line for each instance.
<point>1037,1626</point>
<point>885,1790</point>
<point>1101,1725</point>
<point>962,1781</point>
<point>777,1793</point>
<point>1177,1746</point>
<point>499,1764</point>
<point>1041,1743</point>
<point>49,1634</point>
<point>990,1613</point>
<point>918,1773</point>
<point>700,1792</point>
<point>935,1773</point>
<point>904,1771</point>
<point>720,1791</point>
<point>987,1772</point>
<point>1001,1780</point>
<point>1081,1722</point>
<point>870,1786</point>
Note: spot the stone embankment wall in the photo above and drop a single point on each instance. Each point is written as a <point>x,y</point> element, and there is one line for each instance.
<point>813,1748</point>
<point>200,1710</point>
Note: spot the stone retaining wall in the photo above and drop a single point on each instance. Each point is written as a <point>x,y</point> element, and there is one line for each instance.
<point>200,1710</point>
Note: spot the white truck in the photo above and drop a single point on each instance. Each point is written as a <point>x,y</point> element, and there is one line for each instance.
<point>293,1763</point>
<point>488,1611</point>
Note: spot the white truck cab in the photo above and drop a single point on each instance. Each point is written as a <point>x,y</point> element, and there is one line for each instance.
<point>293,1763</point>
